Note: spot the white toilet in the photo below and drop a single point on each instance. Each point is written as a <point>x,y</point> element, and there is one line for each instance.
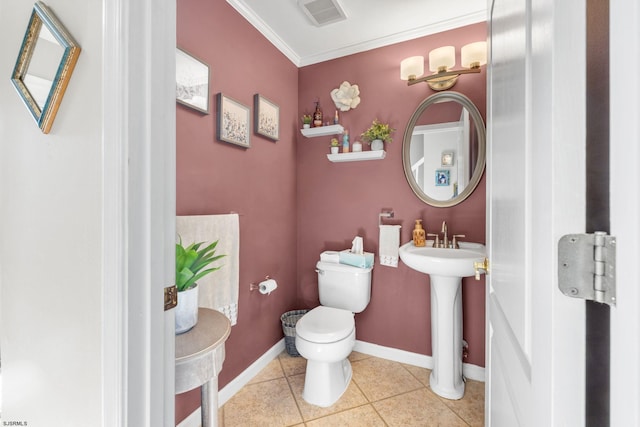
<point>326,335</point>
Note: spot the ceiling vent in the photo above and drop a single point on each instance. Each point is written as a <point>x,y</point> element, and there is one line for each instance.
<point>322,12</point>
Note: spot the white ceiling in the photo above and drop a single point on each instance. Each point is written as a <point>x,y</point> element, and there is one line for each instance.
<point>370,24</point>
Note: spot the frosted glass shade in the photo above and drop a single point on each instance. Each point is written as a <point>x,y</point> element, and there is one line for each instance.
<point>412,66</point>
<point>442,57</point>
<point>474,52</point>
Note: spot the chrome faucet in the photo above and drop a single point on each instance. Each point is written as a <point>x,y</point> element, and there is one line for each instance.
<point>445,238</point>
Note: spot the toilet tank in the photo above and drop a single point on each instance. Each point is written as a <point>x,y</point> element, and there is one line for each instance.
<point>343,286</point>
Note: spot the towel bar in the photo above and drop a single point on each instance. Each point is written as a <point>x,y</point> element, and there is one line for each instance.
<point>388,214</point>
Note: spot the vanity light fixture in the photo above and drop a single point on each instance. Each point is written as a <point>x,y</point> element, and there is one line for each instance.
<point>441,62</point>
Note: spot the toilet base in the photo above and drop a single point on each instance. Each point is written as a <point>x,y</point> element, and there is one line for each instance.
<point>325,383</point>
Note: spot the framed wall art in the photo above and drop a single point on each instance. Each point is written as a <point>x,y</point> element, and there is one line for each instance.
<point>447,158</point>
<point>442,177</point>
<point>192,82</point>
<point>233,121</point>
<point>266,117</point>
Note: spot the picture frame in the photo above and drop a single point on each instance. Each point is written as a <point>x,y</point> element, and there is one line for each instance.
<point>41,79</point>
<point>266,116</point>
<point>192,81</point>
<point>446,158</point>
<point>233,121</point>
<point>442,177</point>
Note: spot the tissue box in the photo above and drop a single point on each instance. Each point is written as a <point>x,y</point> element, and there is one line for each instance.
<point>364,260</point>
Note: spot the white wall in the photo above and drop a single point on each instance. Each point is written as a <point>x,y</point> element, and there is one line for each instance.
<point>50,233</point>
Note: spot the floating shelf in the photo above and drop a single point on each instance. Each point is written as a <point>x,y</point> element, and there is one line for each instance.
<point>357,156</point>
<point>322,131</point>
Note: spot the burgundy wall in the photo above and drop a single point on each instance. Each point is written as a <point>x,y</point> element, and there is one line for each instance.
<point>258,182</point>
<point>294,203</point>
<point>337,201</point>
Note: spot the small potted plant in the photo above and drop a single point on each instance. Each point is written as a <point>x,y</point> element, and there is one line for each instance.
<point>191,265</point>
<point>335,146</point>
<point>377,134</point>
<point>306,121</point>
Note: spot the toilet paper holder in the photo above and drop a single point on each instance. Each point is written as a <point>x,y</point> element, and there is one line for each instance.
<point>256,286</point>
<point>253,286</point>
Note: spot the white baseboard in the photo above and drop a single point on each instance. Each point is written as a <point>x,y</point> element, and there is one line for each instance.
<point>472,372</point>
<point>247,375</point>
<point>193,420</point>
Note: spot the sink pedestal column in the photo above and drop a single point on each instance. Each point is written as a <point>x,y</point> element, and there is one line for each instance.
<point>446,336</point>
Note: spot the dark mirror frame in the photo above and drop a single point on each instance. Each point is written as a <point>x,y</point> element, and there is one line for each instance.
<point>480,162</point>
<point>40,16</point>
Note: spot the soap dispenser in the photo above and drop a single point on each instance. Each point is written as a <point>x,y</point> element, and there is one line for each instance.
<point>419,234</point>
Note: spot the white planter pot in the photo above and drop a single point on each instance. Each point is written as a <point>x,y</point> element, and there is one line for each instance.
<point>187,310</point>
<point>377,145</point>
<point>335,150</point>
<point>356,147</point>
<point>306,126</point>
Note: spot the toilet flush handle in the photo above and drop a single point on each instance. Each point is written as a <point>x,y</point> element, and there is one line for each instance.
<point>319,271</point>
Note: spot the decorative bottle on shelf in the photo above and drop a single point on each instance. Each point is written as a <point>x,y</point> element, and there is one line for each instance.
<point>419,234</point>
<point>336,119</point>
<point>345,141</point>
<point>317,115</point>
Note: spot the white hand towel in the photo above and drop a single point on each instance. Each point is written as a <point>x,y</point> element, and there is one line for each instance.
<point>389,245</point>
<point>218,290</point>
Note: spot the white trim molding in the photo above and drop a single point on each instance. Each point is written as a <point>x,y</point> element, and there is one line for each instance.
<point>228,391</point>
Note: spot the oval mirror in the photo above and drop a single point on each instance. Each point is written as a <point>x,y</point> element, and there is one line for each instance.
<point>443,151</point>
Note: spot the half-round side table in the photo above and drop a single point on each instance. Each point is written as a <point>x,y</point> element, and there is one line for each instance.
<point>199,359</point>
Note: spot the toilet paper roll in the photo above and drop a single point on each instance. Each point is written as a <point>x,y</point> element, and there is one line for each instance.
<point>267,286</point>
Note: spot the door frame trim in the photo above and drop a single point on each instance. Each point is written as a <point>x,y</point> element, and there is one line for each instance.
<point>138,141</point>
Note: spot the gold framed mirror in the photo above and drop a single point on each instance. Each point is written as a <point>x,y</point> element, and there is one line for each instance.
<point>443,150</point>
<point>44,66</point>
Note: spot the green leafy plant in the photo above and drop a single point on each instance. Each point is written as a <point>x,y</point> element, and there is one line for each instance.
<point>334,142</point>
<point>306,119</point>
<point>378,130</point>
<point>191,262</point>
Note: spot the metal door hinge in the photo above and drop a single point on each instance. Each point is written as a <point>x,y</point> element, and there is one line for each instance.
<point>170,297</point>
<point>587,267</point>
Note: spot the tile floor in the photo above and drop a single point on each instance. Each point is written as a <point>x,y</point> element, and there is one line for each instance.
<point>381,393</point>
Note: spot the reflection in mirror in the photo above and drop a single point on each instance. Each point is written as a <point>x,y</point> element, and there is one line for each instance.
<point>44,66</point>
<point>444,149</point>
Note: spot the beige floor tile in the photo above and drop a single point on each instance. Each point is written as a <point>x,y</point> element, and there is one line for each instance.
<point>380,378</point>
<point>363,416</point>
<point>422,374</point>
<point>471,407</point>
<point>355,356</point>
<point>272,371</point>
<point>292,365</point>
<point>400,394</point>
<point>351,398</point>
<point>417,408</point>
<point>268,403</point>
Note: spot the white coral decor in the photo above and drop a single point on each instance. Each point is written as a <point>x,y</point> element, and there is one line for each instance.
<point>346,96</point>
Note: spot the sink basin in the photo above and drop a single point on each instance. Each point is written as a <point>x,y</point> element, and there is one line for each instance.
<point>446,268</point>
<point>443,262</point>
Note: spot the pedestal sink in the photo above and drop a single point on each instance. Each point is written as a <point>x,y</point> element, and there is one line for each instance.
<point>446,268</point>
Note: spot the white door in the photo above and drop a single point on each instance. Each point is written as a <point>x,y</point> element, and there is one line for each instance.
<point>625,210</point>
<point>139,212</point>
<point>535,190</point>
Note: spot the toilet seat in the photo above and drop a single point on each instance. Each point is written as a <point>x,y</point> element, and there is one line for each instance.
<point>325,325</point>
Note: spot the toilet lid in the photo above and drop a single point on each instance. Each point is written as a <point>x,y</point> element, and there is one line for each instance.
<point>325,325</point>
